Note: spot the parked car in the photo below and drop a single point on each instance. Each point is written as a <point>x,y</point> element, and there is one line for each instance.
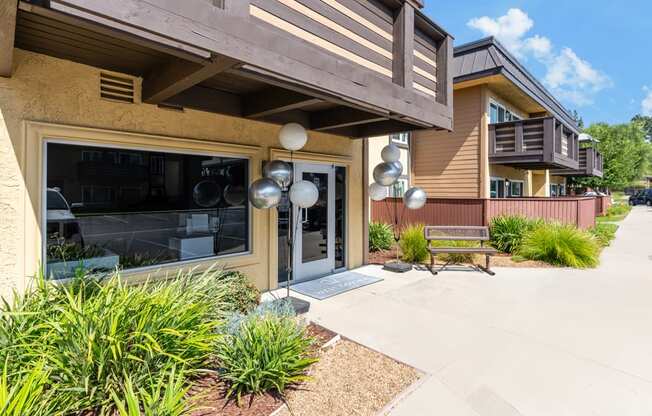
<point>643,197</point>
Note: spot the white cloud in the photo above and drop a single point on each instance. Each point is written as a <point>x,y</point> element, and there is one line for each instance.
<point>571,78</point>
<point>646,104</point>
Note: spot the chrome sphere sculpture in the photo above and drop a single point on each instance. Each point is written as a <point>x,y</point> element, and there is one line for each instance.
<point>386,174</point>
<point>390,153</point>
<point>280,172</point>
<point>415,198</point>
<point>265,193</point>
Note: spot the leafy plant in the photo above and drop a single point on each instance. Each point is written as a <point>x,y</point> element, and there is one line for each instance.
<point>265,353</point>
<point>455,257</point>
<point>618,210</point>
<point>381,236</point>
<point>507,232</point>
<point>413,244</point>
<point>242,294</point>
<point>26,394</point>
<point>91,334</point>
<point>604,233</point>
<point>163,395</point>
<point>561,245</point>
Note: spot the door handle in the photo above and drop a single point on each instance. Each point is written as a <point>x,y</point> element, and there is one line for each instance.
<point>304,215</point>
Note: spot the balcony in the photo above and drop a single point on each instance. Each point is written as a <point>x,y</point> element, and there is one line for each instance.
<point>590,164</point>
<point>352,68</point>
<point>536,143</point>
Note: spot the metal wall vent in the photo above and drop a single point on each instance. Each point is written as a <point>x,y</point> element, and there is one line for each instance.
<point>116,88</point>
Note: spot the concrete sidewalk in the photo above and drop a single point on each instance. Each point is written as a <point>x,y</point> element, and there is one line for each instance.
<point>525,342</point>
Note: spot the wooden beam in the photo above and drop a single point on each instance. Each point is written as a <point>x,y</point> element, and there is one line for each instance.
<point>445,72</point>
<point>180,75</point>
<point>276,100</point>
<point>199,24</point>
<point>342,117</point>
<point>403,62</point>
<point>8,10</point>
<point>208,99</point>
<point>518,136</point>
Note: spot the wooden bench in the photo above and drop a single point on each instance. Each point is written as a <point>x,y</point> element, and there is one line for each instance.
<point>457,233</point>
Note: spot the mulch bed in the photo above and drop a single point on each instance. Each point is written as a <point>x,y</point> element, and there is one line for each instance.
<point>210,392</point>
<point>349,379</point>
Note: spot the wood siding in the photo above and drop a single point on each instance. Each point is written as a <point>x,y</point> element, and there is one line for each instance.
<point>580,212</point>
<point>448,164</point>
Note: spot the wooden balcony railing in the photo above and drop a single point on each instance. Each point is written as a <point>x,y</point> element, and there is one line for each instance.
<point>590,164</point>
<point>536,143</point>
<point>348,67</point>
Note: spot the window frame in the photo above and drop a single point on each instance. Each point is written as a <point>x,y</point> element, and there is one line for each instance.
<point>498,180</point>
<point>508,112</point>
<point>522,183</point>
<point>46,139</point>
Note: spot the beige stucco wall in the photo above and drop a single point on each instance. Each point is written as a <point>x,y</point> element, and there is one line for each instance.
<point>50,90</point>
<point>541,183</point>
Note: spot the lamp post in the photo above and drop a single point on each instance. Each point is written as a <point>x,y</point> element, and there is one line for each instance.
<point>386,176</point>
<point>268,191</point>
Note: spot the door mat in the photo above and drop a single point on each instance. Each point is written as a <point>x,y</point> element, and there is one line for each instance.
<point>329,286</point>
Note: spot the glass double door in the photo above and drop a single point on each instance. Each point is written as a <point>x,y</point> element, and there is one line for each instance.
<point>314,249</point>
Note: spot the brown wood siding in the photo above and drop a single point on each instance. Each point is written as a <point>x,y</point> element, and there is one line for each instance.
<point>447,165</point>
<point>331,25</point>
<point>580,212</point>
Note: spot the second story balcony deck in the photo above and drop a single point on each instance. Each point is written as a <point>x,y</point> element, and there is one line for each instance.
<point>355,68</point>
<point>591,164</point>
<point>536,143</point>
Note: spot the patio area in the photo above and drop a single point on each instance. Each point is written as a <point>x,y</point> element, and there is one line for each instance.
<point>525,342</point>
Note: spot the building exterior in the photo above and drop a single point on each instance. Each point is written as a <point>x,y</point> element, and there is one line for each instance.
<point>511,137</point>
<point>130,130</point>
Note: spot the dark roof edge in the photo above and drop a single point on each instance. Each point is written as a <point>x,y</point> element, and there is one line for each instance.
<point>432,23</point>
<point>489,41</point>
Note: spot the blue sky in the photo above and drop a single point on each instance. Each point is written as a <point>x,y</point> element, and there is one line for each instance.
<point>595,56</point>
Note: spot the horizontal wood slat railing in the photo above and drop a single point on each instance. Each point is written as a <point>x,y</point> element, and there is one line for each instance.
<point>578,211</point>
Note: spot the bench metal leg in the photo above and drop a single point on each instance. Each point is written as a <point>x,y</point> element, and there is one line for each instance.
<point>487,268</point>
<point>432,265</point>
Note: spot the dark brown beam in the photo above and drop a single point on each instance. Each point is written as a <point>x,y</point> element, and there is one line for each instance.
<point>403,62</point>
<point>276,100</point>
<point>180,75</point>
<point>445,72</point>
<point>208,99</point>
<point>8,10</point>
<point>342,117</point>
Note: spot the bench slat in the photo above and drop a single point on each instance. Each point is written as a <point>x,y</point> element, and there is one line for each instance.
<point>463,250</point>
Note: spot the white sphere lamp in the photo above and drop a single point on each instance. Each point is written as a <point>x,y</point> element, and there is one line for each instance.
<point>304,194</point>
<point>293,136</point>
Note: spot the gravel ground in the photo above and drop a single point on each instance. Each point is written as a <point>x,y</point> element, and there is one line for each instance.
<point>349,380</point>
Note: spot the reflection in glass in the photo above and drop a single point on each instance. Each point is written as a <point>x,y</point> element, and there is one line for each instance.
<point>340,216</point>
<point>314,221</point>
<point>109,208</point>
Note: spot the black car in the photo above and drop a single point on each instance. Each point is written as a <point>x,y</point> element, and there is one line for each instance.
<point>643,197</point>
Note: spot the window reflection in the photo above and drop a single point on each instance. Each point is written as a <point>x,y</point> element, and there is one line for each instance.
<point>109,208</point>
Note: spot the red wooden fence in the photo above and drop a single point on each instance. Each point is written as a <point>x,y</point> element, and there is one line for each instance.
<point>579,211</point>
<point>602,204</point>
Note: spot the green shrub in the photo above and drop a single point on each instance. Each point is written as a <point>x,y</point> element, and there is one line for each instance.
<point>455,258</point>
<point>381,236</point>
<point>413,244</point>
<point>242,295</point>
<point>507,232</point>
<point>617,210</point>
<point>91,335</point>
<point>265,352</point>
<point>25,393</point>
<point>604,233</point>
<point>560,245</point>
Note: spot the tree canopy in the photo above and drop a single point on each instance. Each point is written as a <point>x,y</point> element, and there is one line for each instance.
<point>626,154</point>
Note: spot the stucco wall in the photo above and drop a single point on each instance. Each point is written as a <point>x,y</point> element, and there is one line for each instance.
<point>52,90</point>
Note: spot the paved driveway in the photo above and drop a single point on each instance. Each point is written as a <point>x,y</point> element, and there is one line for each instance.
<point>547,342</point>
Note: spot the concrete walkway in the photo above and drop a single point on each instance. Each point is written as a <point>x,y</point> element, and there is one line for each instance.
<point>549,342</point>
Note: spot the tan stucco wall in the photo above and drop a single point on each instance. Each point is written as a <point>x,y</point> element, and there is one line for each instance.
<point>50,90</point>
<point>376,145</point>
<point>541,183</point>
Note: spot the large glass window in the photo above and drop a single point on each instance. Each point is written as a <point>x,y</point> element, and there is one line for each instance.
<point>497,189</point>
<point>116,208</point>
<point>515,189</point>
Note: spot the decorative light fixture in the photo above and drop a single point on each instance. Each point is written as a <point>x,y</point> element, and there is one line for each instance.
<point>387,174</point>
<point>293,137</point>
<point>267,193</point>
